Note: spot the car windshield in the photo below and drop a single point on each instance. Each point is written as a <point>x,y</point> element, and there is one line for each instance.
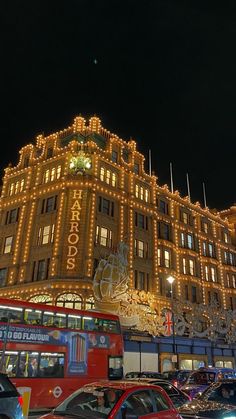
<point>221,392</point>
<point>90,402</point>
<point>201,378</point>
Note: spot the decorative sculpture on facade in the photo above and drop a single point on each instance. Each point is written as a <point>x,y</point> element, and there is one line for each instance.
<point>138,309</point>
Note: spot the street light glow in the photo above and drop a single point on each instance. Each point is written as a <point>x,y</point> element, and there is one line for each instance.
<point>170,279</point>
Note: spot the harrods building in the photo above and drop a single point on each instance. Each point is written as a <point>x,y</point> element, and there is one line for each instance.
<point>75,194</point>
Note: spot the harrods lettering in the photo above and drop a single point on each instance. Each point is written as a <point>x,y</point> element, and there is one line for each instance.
<point>73,237</point>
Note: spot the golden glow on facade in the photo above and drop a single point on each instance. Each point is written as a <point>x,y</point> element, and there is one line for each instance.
<point>55,248</point>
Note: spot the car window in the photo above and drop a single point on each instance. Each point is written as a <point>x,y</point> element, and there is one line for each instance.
<point>223,393</point>
<point>171,390</point>
<point>201,378</point>
<point>160,400</point>
<point>6,386</point>
<point>139,403</point>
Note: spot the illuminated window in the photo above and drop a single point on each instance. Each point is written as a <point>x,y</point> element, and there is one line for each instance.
<point>8,244</point>
<point>139,248</point>
<point>43,299</point>
<point>182,239</point>
<point>104,236</point>
<point>113,179</point>
<point>58,172</point>
<point>213,274</point>
<point>69,300</point>
<point>46,234</point>
<point>108,177</point>
<point>226,236</point>
<point>141,193</point>
<point>17,188</point>
<point>89,303</point>
<point>234,281</point>
<point>136,191</point>
<point>204,249</point>
<point>12,188</point>
<point>53,174</point>
<point>191,266</point>
<point>207,273</point>
<point>146,195</point>
<point>22,184</point>
<point>167,258</point>
<point>184,266</point>
<point>205,227</point>
<point>210,248</point>
<point>190,241</point>
<point>185,217</point>
<point>159,257</point>
<point>46,176</point>
<point>102,174</point>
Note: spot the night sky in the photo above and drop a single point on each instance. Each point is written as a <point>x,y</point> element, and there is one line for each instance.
<point>162,72</point>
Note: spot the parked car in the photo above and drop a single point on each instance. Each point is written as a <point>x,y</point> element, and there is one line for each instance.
<point>116,400</point>
<point>146,374</point>
<point>10,400</point>
<point>178,397</point>
<point>177,377</point>
<point>217,401</point>
<point>200,379</point>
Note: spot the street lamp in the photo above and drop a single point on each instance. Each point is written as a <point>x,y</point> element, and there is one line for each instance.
<point>171,280</point>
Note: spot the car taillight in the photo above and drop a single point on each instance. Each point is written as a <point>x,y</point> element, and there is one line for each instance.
<point>20,400</point>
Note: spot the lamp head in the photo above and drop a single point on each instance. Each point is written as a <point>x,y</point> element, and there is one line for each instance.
<point>170,279</point>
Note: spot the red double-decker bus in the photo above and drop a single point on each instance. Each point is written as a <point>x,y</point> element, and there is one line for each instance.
<point>55,350</point>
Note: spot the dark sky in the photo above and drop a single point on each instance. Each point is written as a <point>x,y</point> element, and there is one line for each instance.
<point>160,71</point>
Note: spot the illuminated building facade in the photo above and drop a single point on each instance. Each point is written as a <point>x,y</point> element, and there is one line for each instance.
<point>75,194</point>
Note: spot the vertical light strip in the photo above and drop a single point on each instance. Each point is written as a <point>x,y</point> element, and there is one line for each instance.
<point>156,288</point>
<point>57,236</point>
<point>91,238</point>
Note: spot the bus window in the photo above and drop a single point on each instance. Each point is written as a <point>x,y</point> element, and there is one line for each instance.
<point>51,365</point>
<point>28,365</point>
<point>74,322</point>
<point>10,363</point>
<point>89,323</point>
<point>54,319</point>
<point>110,326</point>
<point>13,315</point>
<point>32,316</point>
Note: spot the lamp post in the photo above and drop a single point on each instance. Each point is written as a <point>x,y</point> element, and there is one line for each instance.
<point>171,280</point>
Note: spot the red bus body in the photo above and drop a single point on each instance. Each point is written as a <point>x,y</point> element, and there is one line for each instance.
<point>56,360</point>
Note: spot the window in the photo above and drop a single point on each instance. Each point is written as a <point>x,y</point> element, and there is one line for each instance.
<point>136,168</point>
<point>164,231</point>
<point>141,221</point>
<point>12,216</point>
<point>114,156</point>
<point>190,241</point>
<point>185,217</point>
<point>142,193</point>
<point>69,300</point>
<point>159,257</point>
<point>26,161</point>
<point>52,174</point>
<point>32,316</point>
<point>8,244</point>
<point>141,281</point>
<point>204,249</point>
<point>226,236</point>
<point>194,294</point>
<point>49,204</point>
<point>17,187</point>
<point>139,402</point>
<point>210,247</point>
<point>207,273</point>
<point>141,248</point>
<point>109,177</point>
<point>105,206</point>
<point>184,266</point>
<point>213,274</point>
<point>3,276</point>
<point>46,234</point>
<point>233,281</point>
<point>103,236</point>
<point>42,269</point>
<point>191,266</point>
<point>205,227</point>
<point>167,258</point>
<point>163,207</point>
<point>49,153</point>
<point>228,280</point>
<point>160,400</point>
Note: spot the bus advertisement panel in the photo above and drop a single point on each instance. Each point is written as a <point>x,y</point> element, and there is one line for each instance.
<point>53,361</point>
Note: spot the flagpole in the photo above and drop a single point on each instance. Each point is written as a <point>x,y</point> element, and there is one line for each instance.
<point>204,194</point>
<point>188,187</point>
<point>150,162</point>
<point>171,179</point>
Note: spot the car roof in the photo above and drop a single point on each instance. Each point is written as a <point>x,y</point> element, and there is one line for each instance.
<point>149,380</point>
<point>122,384</point>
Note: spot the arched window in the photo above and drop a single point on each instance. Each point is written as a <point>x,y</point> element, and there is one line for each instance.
<point>43,299</point>
<point>89,303</point>
<point>69,300</point>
